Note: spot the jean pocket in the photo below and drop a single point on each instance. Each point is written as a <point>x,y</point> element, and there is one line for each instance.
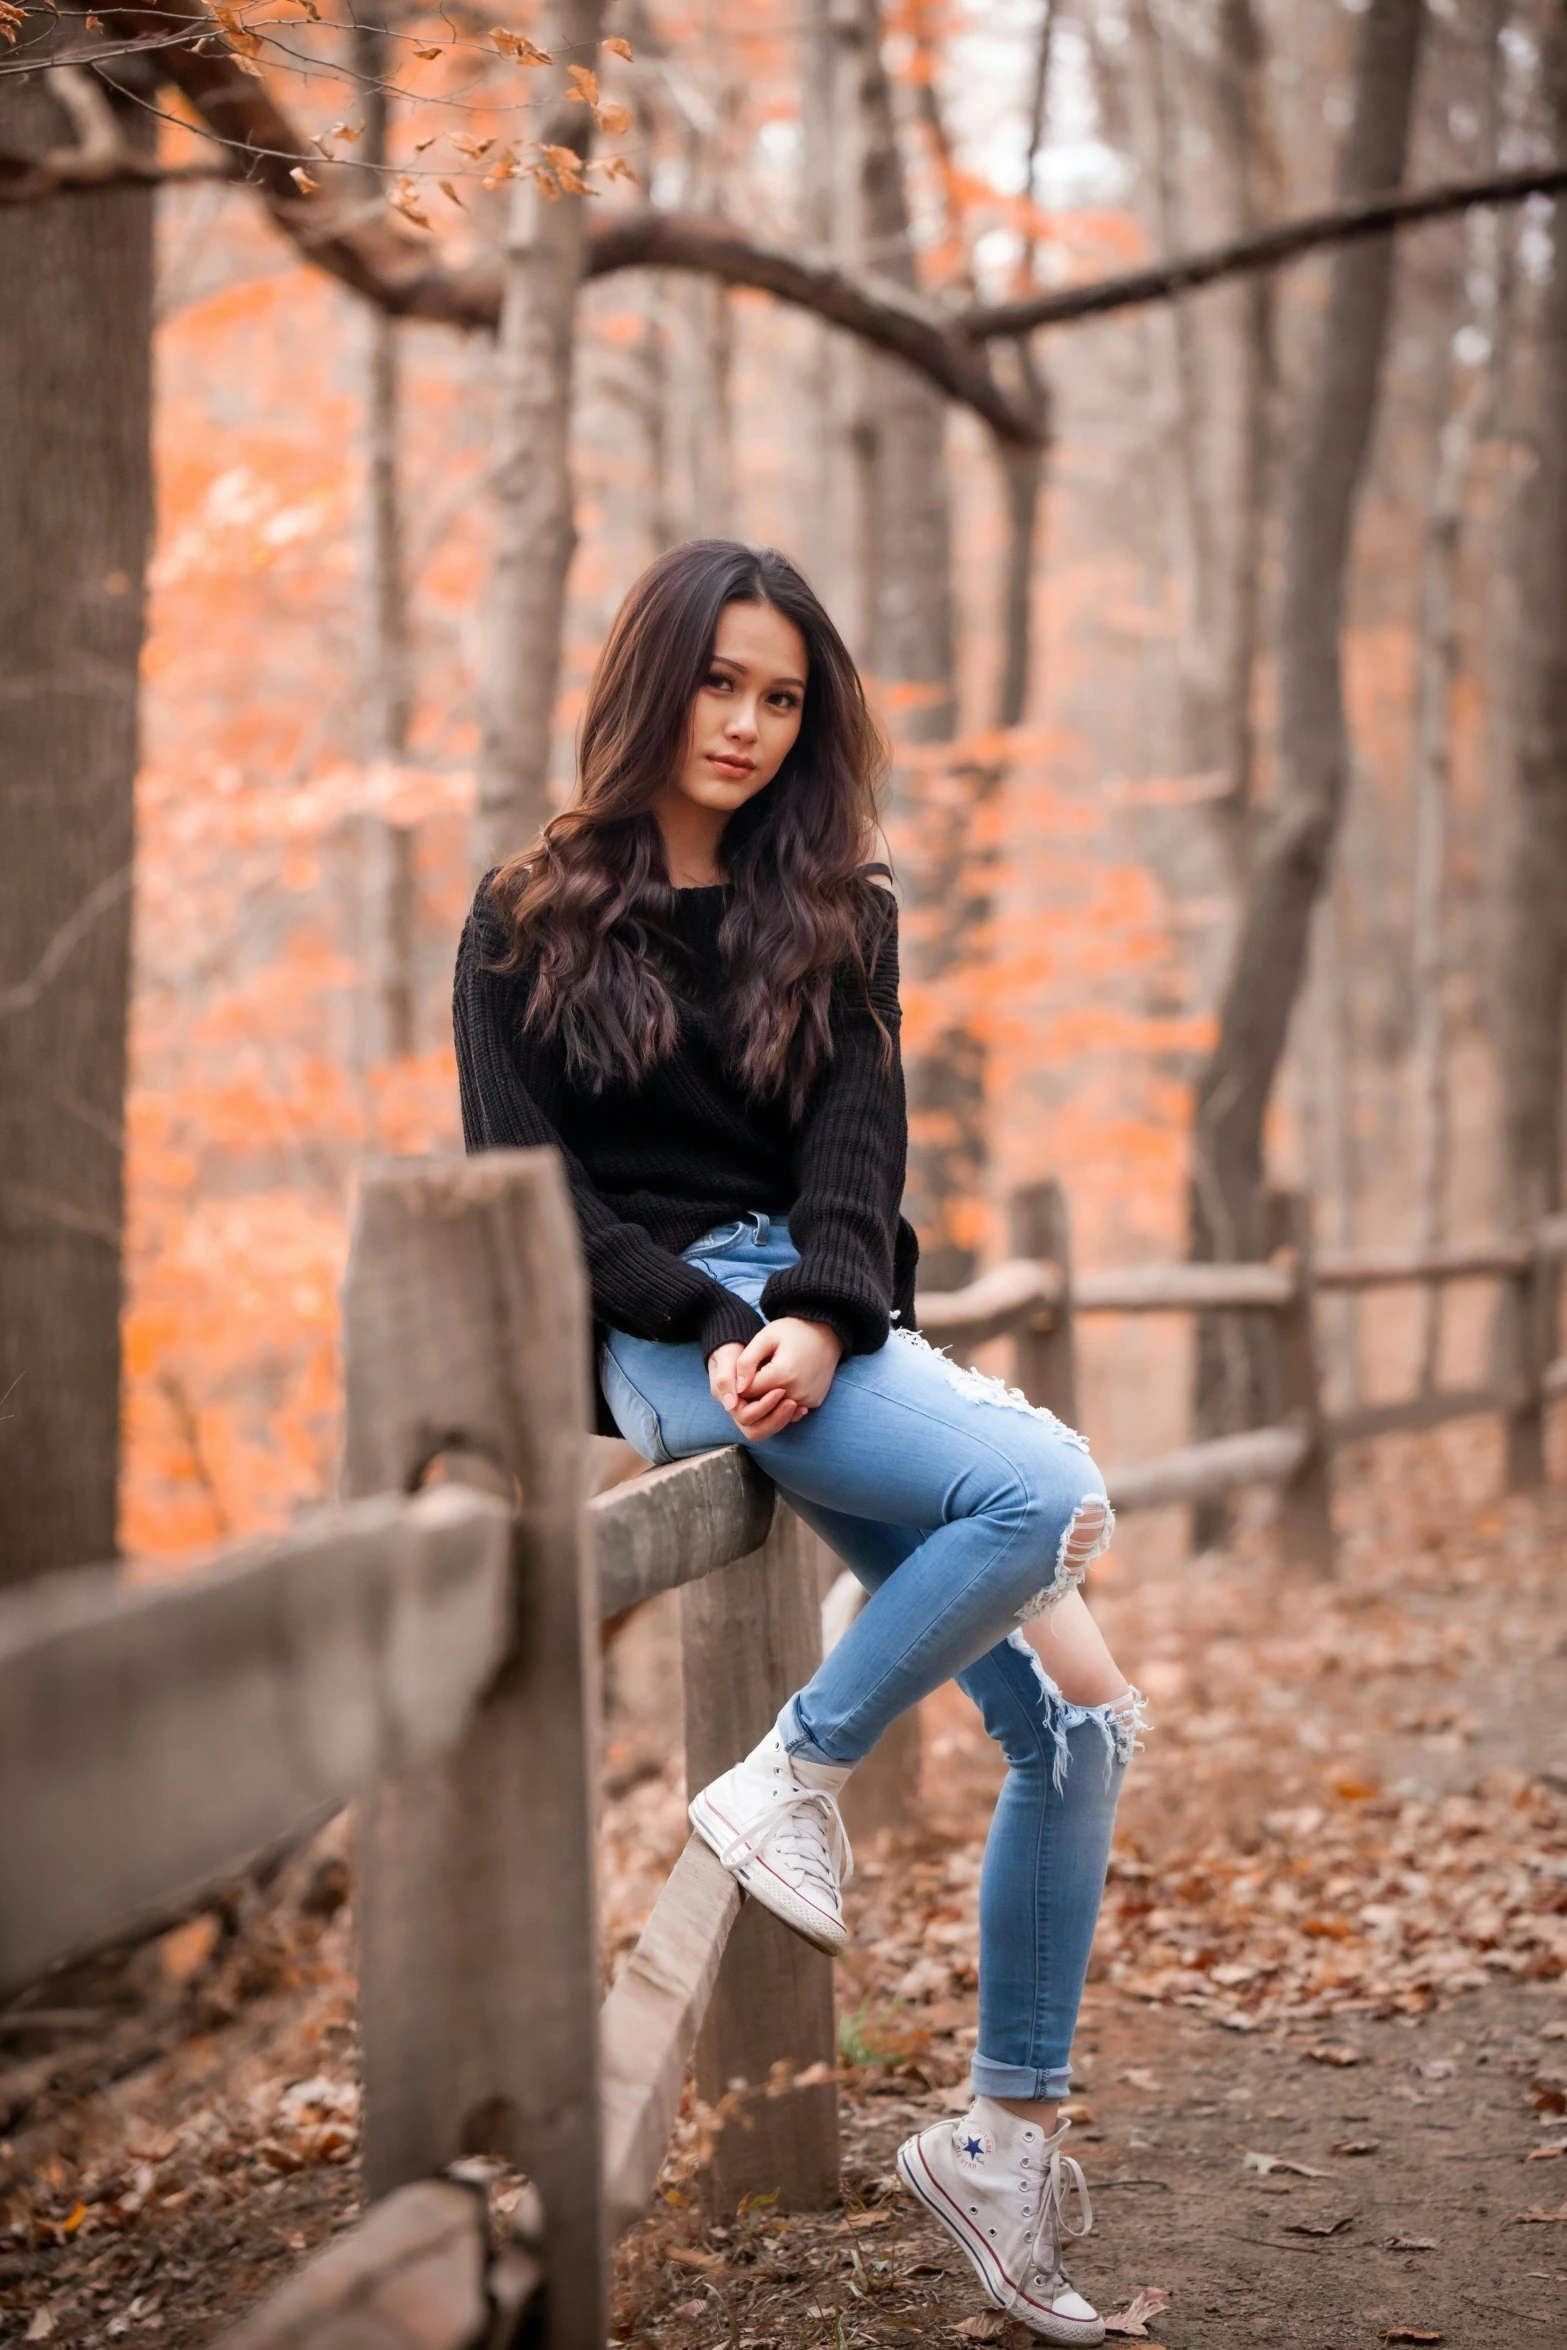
<point>718,1242</point>
<point>634,1416</point>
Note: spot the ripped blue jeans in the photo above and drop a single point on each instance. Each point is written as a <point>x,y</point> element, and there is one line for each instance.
<point>964,1512</point>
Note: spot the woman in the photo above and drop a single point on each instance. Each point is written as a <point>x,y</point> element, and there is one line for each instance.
<point>689,985</point>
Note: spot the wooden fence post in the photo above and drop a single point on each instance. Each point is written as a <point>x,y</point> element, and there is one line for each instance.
<point>1526,1344</point>
<point>466,1332</point>
<point>750,1635</point>
<point>1041,1226</point>
<point>1307,1500</point>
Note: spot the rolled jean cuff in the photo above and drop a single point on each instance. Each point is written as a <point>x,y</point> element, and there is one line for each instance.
<point>797,1740</point>
<point>1020,2080</point>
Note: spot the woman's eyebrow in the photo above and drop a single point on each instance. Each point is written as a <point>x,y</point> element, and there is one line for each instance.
<point>732,661</point>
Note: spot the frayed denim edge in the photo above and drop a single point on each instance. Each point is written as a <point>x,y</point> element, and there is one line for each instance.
<point>984,1389</point>
<point>1121,1723</point>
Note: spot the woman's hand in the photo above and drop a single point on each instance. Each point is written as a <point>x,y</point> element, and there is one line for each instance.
<point>781,1375</point>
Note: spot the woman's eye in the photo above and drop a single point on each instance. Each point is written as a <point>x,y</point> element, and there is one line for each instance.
<point>717,681</point>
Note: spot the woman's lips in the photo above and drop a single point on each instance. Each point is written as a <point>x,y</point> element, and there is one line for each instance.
<point>727,766</point>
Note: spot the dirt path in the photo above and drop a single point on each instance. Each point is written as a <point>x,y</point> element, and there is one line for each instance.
<point>1335,1938</point>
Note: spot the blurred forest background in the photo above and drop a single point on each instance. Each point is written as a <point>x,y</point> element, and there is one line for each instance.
<point>1155,851</point>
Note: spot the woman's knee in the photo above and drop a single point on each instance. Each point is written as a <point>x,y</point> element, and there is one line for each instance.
<point>1066,1508</point>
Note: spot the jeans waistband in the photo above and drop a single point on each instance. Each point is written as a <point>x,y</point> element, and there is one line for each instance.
<point>753,1229</point>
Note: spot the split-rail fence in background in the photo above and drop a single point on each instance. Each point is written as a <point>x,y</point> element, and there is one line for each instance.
<point>429,1649</point>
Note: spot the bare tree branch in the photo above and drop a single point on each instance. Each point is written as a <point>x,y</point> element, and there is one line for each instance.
<point>1266,250</point>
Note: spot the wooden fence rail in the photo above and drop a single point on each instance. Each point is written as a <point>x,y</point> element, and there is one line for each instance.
<point>429,1649</point>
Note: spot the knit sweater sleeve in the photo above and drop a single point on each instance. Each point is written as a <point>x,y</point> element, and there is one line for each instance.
<point>506,1081</point>
<point>850,1159</point>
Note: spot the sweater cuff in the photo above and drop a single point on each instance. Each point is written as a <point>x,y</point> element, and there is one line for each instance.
<point>860,1324</point>
<point>728,1321</point>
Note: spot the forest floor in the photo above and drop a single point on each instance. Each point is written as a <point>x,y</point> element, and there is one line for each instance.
<point>1322,2059</point>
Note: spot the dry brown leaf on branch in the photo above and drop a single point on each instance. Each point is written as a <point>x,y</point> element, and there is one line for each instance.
<point>10,21</point>
<point>421,144</point>
<point>615,167</point>
<point>584,84</point>
<point>351,132</point>
<point>466,144</point>
<point>503,168</point>
<point>427,56</point>
<point>566,164</point>
<point>613,120</point>
<point>1133,2319</point>
<point>405,200</point>
<point>617,47</point>
<point>240,35</point>
<point>449,191</point>
<point>303,181</point>
<point>519,46</point>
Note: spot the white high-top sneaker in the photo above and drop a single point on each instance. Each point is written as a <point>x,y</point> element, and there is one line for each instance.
<point>773,1820</point>
<point>997,2184</point>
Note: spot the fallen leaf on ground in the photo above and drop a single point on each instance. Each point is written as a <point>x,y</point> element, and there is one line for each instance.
<point>1133,2319</point>
<point>1412,2244</point>
<point>1356,2146</point>
<point>689,2256</point>
<point>1318,2227</point>
<point>1536,2218</point>
<point>1545,2153</point>
<point>1410,2334</point>
<point>1333,2052</point>
<point>981,2329</point>
<point>1272,2162</point>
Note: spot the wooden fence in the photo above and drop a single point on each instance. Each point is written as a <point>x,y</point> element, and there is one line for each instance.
<point>428,1649</point>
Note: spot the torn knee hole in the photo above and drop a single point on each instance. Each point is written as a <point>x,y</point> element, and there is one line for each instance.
<point>1087,1534</point>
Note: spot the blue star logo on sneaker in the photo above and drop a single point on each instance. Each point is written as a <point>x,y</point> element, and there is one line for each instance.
<point>972,2146</point>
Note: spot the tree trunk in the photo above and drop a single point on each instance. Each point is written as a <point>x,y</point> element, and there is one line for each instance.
<point>535,529</point>
<point>1534,970</point>
<point>1179,363</point>
<point>1023,470</point>
<point>76,286</point>
<point>1295,851</point>
<point>1241,89</point>
<point>913,654</point>
<point>388,894</point>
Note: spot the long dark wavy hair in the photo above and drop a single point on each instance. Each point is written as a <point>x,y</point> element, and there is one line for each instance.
<point>591,907</point>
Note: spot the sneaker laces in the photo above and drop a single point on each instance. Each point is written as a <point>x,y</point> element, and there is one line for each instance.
<point>1063,2176</point>
<point>806,1827</point>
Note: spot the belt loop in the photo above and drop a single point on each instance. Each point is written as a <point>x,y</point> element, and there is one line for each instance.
<point>761,1225</point>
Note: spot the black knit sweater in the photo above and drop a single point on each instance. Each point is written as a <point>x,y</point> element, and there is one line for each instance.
<point>654,1165</point>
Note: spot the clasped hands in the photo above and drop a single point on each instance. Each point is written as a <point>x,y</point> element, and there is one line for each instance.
<point>783,1373</point>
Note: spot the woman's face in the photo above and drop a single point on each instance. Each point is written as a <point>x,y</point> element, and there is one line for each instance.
<point>746,716</point>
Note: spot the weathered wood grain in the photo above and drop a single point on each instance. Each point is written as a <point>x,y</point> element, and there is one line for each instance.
<point>151,1738</point>
<point>1201,1472</point>
<point>750,1636</point>
<point>412,2275</point>
<point>1410,1414</point>
<point>677,1524</point>
<point>1006,1298</point>
<point>1306,1503</point>
<point>466,1330</point>
<point>1196,1288</point>
<point>650,2023</point>
<point>1040,1226</point>
<point>1378,1268</point>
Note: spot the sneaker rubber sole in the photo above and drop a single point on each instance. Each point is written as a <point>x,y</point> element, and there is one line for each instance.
<point>765,1885</point>
<point>996,2286</point>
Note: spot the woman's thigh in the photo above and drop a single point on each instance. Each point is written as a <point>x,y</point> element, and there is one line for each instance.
<point>903,1437</point>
